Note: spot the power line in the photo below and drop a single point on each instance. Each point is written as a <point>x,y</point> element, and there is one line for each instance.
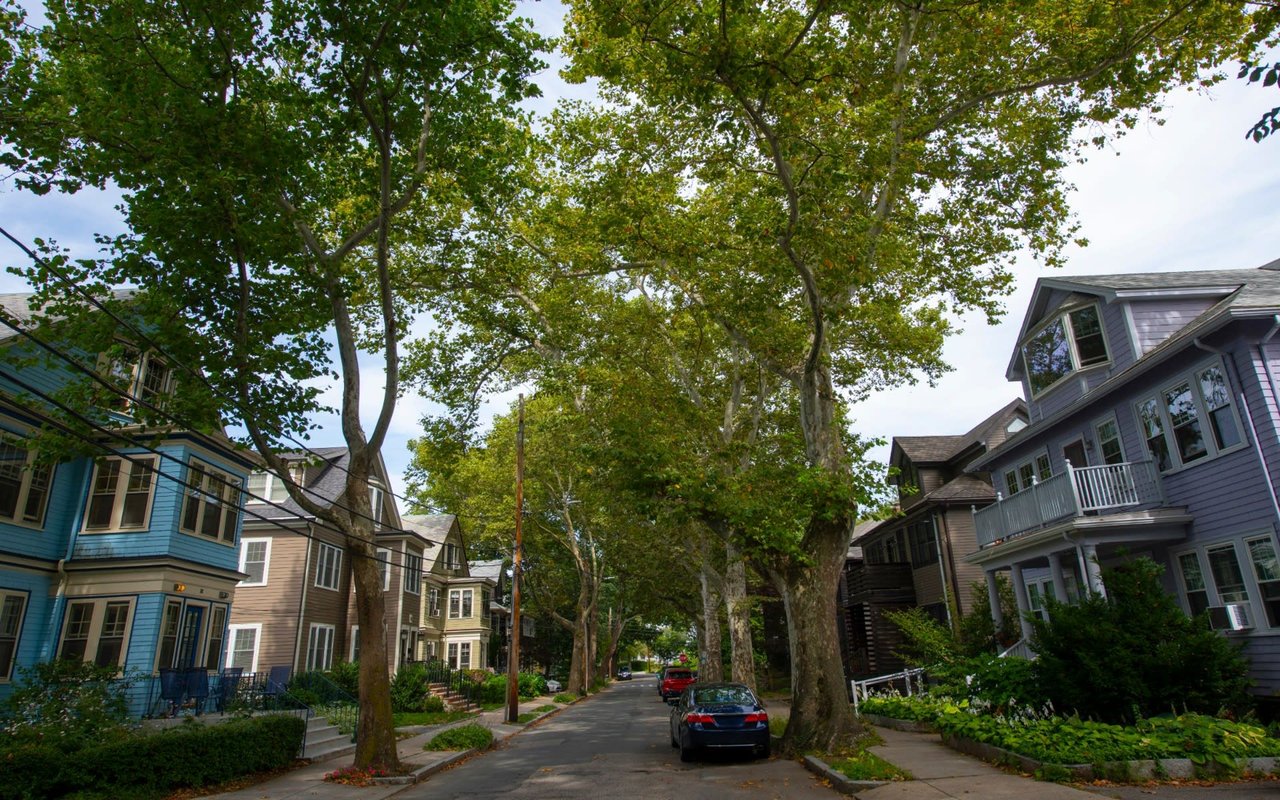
<point>234,402</point>
<point>146,464</point>
<point>95,376</point>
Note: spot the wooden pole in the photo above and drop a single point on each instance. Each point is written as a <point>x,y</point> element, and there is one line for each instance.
<point>513,646</point>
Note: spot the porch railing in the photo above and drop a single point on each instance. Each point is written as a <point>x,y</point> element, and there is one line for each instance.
<point>1073,493</point>
<point>860,689</point>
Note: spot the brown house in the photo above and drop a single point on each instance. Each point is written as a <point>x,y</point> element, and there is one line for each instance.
<point>916,557</point>
<point>297,606</point>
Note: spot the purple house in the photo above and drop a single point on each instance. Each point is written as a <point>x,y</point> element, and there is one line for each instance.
<point>1154,431</point>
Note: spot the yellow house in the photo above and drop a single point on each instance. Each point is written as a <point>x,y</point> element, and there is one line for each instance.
<point>456,616</point>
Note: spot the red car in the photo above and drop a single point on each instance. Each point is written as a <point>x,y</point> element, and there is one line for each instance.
<point>674,681</point>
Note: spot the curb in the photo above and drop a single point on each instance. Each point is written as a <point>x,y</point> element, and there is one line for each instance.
<point>426,771</point>
<point>839,781</point>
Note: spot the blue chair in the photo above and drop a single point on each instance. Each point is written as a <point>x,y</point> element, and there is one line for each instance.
<point>197,688</point>
<point>277,680</point>
<point>228,687</point>
<point>173,686</point>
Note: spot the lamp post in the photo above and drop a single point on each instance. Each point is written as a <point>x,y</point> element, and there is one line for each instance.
<point>513,646</point>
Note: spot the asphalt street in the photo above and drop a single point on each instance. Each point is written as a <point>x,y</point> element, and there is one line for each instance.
<point>614,744</point>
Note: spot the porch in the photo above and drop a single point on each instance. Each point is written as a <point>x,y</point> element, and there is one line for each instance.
<point>1076,492</point>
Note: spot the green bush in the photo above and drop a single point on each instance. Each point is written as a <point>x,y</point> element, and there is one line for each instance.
<point>1135,654</point>
<point>410,689</point>
<point>463,737</point>
<point>531,685</point>
<point>153,764</point>
<point>346,674</point>
<point>565,697</point>
<point>917,708</point>
<point>433,704</point>
<point>67,701</point>
<point>494,689</point>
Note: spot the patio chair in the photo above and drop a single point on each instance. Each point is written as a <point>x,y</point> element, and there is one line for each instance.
<point>228,686</point>
<point>277,680</point>
<point>172,688</point>
<point>197,680</point>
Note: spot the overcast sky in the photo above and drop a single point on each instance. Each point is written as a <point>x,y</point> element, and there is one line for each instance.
<point>1190,194</point>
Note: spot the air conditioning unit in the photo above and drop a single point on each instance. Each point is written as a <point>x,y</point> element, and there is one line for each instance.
<point>1231,617</point>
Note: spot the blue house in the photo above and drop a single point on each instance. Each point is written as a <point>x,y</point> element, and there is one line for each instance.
<point>1154,431</point>
<point>126,556</point>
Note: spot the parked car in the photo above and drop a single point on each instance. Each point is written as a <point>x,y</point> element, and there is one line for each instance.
<point>553,686</point>
<point>719,716</point>
<point>624,674</point>
<point>675,680</point>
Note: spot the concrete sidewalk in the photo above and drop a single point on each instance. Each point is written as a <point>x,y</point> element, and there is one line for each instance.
<point>308,781</point>
<point>941,772</point>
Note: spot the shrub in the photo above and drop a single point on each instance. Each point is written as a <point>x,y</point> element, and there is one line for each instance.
<point>917,708</point>
<point>1135,654</point>
<point>433,704</point>
<point>410,689</point>
<point>346,675</point>
<point>157,763</point>
<point>531,685</point>
<point>463,737</point>
<point>68,701</point>
<point>565,697</point>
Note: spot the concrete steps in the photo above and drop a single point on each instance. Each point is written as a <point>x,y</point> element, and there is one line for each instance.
<point>452,700</point>
<point>325,741</point>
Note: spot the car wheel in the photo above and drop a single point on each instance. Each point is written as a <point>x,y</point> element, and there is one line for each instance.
<point>686,753</point>
<point>763,750</point>
<point>674,743</point>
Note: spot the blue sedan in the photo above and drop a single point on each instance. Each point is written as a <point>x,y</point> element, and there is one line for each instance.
<point>719,716</point>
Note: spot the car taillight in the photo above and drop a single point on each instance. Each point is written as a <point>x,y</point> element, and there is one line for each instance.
<point>757,717</point>
<point>705,719</point>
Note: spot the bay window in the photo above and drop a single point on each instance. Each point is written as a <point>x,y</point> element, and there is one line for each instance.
<point>97,631</point>
<point>1068,342</point>
<point>13,606</point>
<point>24,486</point>
<point>1191,420</point>
<point>120,494</point>
<point>211,503</point>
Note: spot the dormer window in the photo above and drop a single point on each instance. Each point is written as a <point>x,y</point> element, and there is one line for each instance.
<point>375,503</point>
<point>1070,341</point>
<point>146,378</point>
<point>266,487</point>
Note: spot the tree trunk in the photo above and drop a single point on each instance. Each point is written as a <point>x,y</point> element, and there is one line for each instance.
<point>738,607</point>
<point>375,735</point>
<point>821,715</point>
<point>710,666</point>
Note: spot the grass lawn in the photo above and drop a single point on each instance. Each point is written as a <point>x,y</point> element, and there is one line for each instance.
<point>429,717</point>
<point>527,717</point>
<point>549,707</point>
<point>857,763</point>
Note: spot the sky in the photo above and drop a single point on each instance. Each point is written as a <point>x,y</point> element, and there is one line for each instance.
<point>1190,194</point>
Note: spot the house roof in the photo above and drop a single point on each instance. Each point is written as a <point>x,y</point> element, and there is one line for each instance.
<point>433,527</point>
<point>324,480</point>
<point>943,449</point>
<point>1244,294</point>
<point>17,307</point>
<point>490,568</point>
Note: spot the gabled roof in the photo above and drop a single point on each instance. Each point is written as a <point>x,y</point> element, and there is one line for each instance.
<point>944,449</point>
<point>1249,294</point>
<point>491,569</point>
<point>17,307</point>
<point>324,481</point>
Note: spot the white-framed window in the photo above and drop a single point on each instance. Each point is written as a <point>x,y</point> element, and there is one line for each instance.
<point>267,487</point>
<point>1035,469</point>
<point>120,494</point>
<point>1241,572</point>
<point>408,643</point>
<point>384,567</point>
<point>460,603</point>
<point>211,505</point>
<point>1037,591</point>
<point>433,602</point>
<point>354,655</point>
<point>432,649</point>
<point>328,566</point>
<point>1068,342</point>
<point>1191,419</point>
<point>255,561</point>
<point>1194,588</point>
<point>412,573</point>
<point>375,504</point>
<point>217,637</point>
<point>242,646</point>
<point>143,376</point>
<point>1266,571</point>
<point>13,609</point>
<point>320,646</point>
<point>464,655</point>
<point>1109,445</point>
<point>452,556</point>
<point>97,630</point>
<point>24,486</point>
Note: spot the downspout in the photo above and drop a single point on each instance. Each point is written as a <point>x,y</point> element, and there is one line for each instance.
<point>942,570</point>
<point>1248,416</point>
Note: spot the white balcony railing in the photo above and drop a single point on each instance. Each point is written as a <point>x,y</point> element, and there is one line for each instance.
<point>1077,491</point>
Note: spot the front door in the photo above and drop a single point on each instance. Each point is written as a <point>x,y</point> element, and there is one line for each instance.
<point>1074,453</point>
<point>189,638</point>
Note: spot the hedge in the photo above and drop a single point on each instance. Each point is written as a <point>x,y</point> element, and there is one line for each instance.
<point>153,764</point>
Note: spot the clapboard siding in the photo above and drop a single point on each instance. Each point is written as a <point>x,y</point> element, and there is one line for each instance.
<point>957,526</point>
<point>1263,652</point>
<point>1156,320</point>
<point>277,604</point>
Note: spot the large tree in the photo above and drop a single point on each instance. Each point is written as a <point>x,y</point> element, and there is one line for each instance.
<point>285,167</point>
<point>831,182</point>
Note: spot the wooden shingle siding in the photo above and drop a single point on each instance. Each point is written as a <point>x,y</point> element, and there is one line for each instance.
<point>1157,320</point>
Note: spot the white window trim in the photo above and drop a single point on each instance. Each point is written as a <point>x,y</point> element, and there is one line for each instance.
<point>266,560</point>
<point>256,627</point>
<point>1097,437</point>
<point>95,627</point>
<point>413,587</point>
<point>327,654</point>
<point>7,676</point>
<point>1192,378</point>
<point>437,613</point>
<point>1238,543</point>
<point>321,551</point>
<point>461,605</point>
<point>24,493</point>
<point>223,481</point>
<point>1064,316</point>
<point>383,555</point>
<point>127,466</point>
<point>1016,470</point>
<point>268,487</point>
<point>351,645</point>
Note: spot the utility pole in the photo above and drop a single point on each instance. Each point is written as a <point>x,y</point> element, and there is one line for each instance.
<point>513,647</point>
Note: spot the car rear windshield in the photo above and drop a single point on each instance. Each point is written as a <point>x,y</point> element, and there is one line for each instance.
<point>737,695</point>
<point>679,674</point>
